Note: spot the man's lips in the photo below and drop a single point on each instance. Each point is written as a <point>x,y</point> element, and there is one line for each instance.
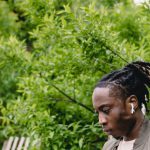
<point>108,131</point>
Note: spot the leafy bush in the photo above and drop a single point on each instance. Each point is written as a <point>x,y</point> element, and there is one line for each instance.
<point>51,57</point>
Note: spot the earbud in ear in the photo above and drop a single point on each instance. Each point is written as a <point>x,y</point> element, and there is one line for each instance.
<point>132,108</point>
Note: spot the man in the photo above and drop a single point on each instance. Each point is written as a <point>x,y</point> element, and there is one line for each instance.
<point>118,99</point>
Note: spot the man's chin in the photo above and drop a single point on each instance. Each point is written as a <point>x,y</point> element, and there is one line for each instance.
<point>116,136</point>
<point>111,134</point>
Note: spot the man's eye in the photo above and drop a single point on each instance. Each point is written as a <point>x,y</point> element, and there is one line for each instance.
<point>106,110</point>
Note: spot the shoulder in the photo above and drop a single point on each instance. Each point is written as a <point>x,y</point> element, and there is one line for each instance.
<point>111,143</point>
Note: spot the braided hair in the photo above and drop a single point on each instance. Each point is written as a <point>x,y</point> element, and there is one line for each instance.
<point>133,79</point>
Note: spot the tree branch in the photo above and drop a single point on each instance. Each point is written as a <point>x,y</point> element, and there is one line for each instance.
<point>72,99</point>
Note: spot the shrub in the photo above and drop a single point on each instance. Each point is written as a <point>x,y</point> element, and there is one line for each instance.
<point>51,58</point>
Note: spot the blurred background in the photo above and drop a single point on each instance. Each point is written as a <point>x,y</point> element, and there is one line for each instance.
<point>52,53</point>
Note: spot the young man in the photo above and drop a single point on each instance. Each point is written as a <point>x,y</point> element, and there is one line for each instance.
<point>118,99</point>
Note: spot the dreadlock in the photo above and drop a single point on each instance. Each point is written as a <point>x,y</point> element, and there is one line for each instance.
<point>133,79</point>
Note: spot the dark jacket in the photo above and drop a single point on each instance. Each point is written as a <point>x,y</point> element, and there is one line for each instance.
<point>141,143</point>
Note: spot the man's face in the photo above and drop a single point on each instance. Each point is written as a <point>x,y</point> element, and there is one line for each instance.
<point>113,115</point>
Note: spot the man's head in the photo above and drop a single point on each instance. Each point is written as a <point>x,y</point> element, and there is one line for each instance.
<point>114,113</point>
<point>120,93</point>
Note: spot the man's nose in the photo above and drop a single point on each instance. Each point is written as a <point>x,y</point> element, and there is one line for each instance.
<point>102,119</point>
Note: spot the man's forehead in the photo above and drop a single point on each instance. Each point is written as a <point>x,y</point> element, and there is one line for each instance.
<point>100,92</point>
<point>102,96</point>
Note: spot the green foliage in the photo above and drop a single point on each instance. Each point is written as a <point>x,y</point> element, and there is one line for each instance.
<point>52,54</point>
<point>8,20</point>
<point>13,62</point>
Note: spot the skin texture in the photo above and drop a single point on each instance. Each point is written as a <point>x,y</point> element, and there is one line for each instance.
<point>115,114</point>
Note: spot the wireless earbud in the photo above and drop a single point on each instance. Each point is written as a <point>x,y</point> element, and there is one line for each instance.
<point>132,108</point>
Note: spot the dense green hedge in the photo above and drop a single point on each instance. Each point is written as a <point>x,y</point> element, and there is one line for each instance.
<point>51,55</point>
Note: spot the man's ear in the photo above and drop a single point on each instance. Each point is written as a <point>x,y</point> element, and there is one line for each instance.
<point>132,100</point>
